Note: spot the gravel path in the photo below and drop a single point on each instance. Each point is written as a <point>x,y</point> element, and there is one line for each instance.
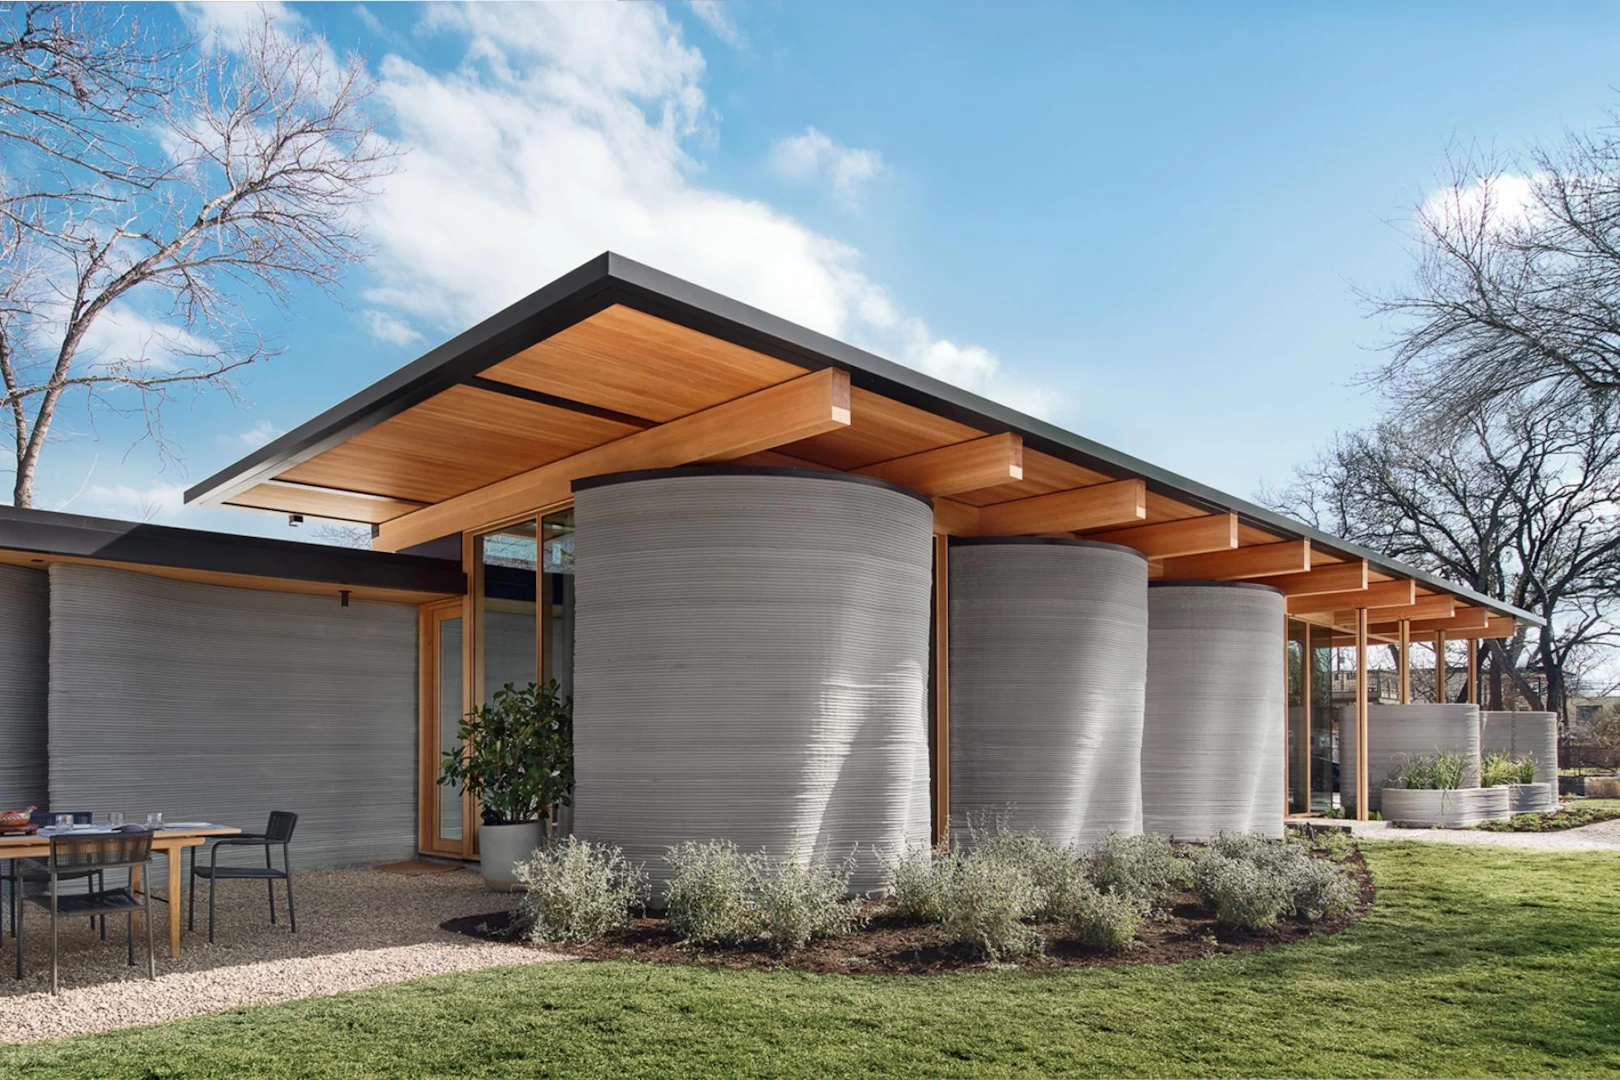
<point>356,929</point>
<point>1603,836</point>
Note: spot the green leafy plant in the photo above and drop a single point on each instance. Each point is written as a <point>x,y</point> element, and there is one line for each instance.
<point>1436,772</point>
<point>1107,921</point>
<point>515,755</point>
<point>1144,868</point>
<point>802,900</point>
<point>1055,869</point>
<point>919,881</point>
<point>574,890</point>
<point>986,903</point>
<point>1503,769</point>
<point>709,899</point>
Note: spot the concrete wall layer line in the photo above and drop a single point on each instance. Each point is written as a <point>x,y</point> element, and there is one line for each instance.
<point>222,704</point>
<point>751,664</point>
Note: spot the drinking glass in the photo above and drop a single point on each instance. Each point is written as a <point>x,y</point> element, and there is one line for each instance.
<point>116,818</point>
<point>154,821</point>
<point>64,821</point>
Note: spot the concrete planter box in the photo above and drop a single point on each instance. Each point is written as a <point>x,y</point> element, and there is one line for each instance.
<point>502,847</point>
<point>1453,808</point>
<point>1531,798</point>
<point>1603,787</point>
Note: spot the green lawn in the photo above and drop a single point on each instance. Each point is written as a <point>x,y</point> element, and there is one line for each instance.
<point>1476,961</point>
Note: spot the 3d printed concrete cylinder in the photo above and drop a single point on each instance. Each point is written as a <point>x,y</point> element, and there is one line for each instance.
<point>1398,733</point>
<point>1212,734</point>
<point>751,664</point>
<point>24,676</point>
<point>1048,665</point>
<point>1523,734</point>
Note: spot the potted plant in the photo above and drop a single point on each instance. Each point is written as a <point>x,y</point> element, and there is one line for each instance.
<point>1428,791</point>
<point>514,755</point>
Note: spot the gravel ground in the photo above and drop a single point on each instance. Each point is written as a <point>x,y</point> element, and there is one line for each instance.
<point>356,929</point>
<point>1603,836</point>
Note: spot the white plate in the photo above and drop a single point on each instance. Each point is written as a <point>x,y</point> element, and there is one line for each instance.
<point>188,825</point>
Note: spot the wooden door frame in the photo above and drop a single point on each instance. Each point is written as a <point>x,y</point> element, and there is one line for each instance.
<point>428,791</point>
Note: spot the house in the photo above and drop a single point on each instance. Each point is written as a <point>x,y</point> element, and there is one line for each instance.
<point>785,581</point>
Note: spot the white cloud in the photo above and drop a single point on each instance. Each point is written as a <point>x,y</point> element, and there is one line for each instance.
<point>388,328</point>
<point>716,18</point>
<point>563,134</point>
<point>223,23</point>
<point>124,337</point>
<point>1500,201</point>
<point>254,437</point>
<point>153,502</point>
<point>814,156</point>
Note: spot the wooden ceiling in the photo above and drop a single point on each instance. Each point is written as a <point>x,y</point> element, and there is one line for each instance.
<point>624,389</point>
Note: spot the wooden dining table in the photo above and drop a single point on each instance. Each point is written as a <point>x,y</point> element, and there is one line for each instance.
<point>170,842</point>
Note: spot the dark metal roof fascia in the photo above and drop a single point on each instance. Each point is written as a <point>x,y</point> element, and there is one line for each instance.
<point>49,533</point>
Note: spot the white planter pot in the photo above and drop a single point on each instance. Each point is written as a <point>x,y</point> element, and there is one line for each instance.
<point>1454,808</point>
<point>500,847</point>
<point>1532,798</point>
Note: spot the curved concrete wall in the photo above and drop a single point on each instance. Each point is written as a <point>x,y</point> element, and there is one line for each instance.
<point>1456,808</point>
<point>1048,666</point>
<point>24,678</point>
<point>1212,735</point>
<point>751,664</point>
<point>222,704</point>
<point>1532,798</point>
<point>1397,733</point>
<point>1523,734</point>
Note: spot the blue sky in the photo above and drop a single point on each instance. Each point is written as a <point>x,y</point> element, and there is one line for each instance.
<point>1143,224</point>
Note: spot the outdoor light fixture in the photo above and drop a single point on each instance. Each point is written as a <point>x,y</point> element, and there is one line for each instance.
<point>343,597</point>
<point>295,520</point>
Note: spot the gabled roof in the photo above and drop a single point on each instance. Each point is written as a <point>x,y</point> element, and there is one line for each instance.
<point>510,395</point>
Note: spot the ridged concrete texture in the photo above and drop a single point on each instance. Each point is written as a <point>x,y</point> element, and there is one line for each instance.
<point>1398,733</point>
<point>1456,808</point>
<point>1532,798</point>
<point>1523,734</point>
<point>222,704</point>
<point>1212,735</point>
<point>1048,667</point>
<point>751,664</point>
<point>24,678</point>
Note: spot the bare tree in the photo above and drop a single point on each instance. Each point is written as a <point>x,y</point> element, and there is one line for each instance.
<point>151,187</point>
<point>1522,504</point>
<point>1517,283</point>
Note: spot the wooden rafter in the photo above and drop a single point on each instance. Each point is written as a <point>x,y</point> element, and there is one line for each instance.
<point>1168,539</point>
<point>1378,594</point>
<point>1076,510</point>
<point>1331,578</point>
<point>793,410</point>
<point>952,518</point>
<point>1425,607</point>
<point>1464,619</point>
<point>965,466</point>
<point>1261,560</point>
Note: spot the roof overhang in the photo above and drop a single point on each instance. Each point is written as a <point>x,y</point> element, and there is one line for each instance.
<point>40,538</point>
<point>609,283</point>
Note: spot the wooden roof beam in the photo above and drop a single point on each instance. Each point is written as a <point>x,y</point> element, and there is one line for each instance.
<point>1331,578</point>
<point>952,518</point>
<point>1261,560</point>
<point>787,412</point>
<point>1168,539</point>
<point>1464,619</point>
<point>1377,594</point>
<point>1076,510</point>
<point>949,470</point>
<point>1425,607</point>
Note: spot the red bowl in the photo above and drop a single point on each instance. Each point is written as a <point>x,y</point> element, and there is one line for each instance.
<point>10,819</point>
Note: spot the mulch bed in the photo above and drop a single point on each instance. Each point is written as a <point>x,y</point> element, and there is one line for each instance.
<point>883,945</point>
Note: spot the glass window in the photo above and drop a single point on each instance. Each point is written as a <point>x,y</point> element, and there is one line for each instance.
<point>509,559</point>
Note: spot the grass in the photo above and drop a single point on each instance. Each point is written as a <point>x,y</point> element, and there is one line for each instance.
<point>1573,815</point>
<point>1476,961</point>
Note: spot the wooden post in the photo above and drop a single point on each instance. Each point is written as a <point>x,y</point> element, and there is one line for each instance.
<point>1288,727</point>
<point>1403,663</point>
<point>942,689</point>
<point>1441,693</point>
<point>1363,789</point>
<point>1305,659</point>
<point>1472,680</point>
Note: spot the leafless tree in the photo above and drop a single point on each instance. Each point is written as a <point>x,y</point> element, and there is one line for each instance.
<point>1517,284</point>
<point>1521,504</point>
<point>349,536</point>
<point>151,188</point>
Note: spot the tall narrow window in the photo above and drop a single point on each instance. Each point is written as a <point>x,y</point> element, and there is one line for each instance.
<point>509,564</point>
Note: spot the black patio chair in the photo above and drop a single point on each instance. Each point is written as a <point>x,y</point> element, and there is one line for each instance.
<point>278,831</point>
<point>77,856</point>
<point>24,876</point>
